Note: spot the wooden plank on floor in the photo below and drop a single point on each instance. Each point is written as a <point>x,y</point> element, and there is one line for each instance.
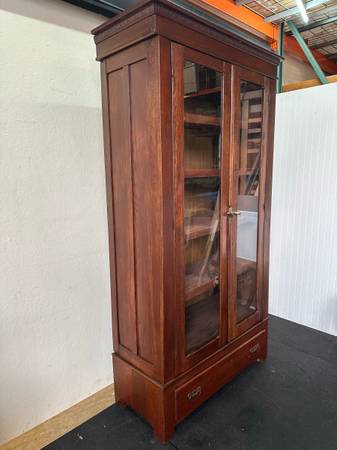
<point>67,420</point>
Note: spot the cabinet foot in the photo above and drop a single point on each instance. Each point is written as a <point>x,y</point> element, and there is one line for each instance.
<point>121,404</point>
<point>262,358</point>
<point>163,434</point>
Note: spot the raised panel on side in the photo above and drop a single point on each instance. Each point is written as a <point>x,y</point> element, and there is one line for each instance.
<point>123,206</point>
<point>147,205</point>
<point>136,168</point>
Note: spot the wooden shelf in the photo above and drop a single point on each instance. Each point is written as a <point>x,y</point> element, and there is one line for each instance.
<point>198,289</point>
<point>202,173</point>
<point>195,287</point>
<point>252,95</point>
<point>201,119</point>
<point>200,226</point>
<point>255,120</point>
<point>253,150</point>
<point>243,172</point>
<point>244,311</point>
<point>202,322</point>
<point>252,142</point>
<point>255,130</point>
<point>204,92</point>
<point>243,265</point>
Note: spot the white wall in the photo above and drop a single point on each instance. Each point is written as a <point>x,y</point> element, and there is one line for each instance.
<point>55,337</point>
<point>303,266</point>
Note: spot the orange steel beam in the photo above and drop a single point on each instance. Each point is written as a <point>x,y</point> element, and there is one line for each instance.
<point>292,46</point>
<point>248,18</point>
<point>251,20</point>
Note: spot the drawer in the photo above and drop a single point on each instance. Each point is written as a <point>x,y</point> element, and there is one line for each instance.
<point>194,392</point>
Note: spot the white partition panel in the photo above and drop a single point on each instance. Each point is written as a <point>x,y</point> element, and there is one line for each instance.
<point>303,265</point>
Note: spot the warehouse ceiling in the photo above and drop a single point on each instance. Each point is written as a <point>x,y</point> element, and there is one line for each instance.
<point>320,32</point>
<point>108,8</point>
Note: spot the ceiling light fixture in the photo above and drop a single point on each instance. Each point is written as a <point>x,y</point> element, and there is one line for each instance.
<point>303,12</point>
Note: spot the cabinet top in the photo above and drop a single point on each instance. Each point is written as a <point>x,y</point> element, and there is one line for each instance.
<point>187,14</point>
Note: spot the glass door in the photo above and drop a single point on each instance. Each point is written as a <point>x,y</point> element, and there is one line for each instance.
<point>245,212</point>
<point>198,94</point>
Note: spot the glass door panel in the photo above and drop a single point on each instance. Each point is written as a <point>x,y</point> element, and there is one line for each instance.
<point>246,198</point>
<point>202,148</point>
<point>251,98</point>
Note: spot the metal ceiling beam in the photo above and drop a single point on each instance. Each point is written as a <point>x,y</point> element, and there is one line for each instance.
<point>247,17</point>
<point>242,2</point>
<point>319,72</point>
<point>280,65</point>
<point>104,7</point>
<point>317,24</point>
<point>292,11</point>
<point>324,44</point>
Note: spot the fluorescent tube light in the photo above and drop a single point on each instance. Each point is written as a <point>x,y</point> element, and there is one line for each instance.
<point>302,11</point>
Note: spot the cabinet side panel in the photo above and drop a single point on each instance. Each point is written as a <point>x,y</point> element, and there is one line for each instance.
<point>123,208</point>
<point>147,195</point>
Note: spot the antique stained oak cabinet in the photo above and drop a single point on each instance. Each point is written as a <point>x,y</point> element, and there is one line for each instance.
<point>188,114</point>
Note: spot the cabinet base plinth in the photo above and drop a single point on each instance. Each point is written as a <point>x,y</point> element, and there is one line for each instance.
<point>163,406</point>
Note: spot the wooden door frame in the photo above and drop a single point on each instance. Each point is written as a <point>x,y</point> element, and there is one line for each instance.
<point>238,74</point>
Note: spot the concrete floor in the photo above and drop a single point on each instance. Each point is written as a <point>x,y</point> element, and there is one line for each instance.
<point>287,403</point>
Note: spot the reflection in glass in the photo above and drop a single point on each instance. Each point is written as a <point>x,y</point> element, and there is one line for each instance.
<point>201,235</point>
<point>251,96</point>
<point>202,128</point>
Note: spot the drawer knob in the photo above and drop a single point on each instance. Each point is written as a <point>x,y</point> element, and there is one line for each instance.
<point>194,393</point>
<point>255,348</point>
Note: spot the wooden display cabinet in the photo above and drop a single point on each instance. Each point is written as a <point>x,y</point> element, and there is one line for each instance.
<point>188,112</point>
